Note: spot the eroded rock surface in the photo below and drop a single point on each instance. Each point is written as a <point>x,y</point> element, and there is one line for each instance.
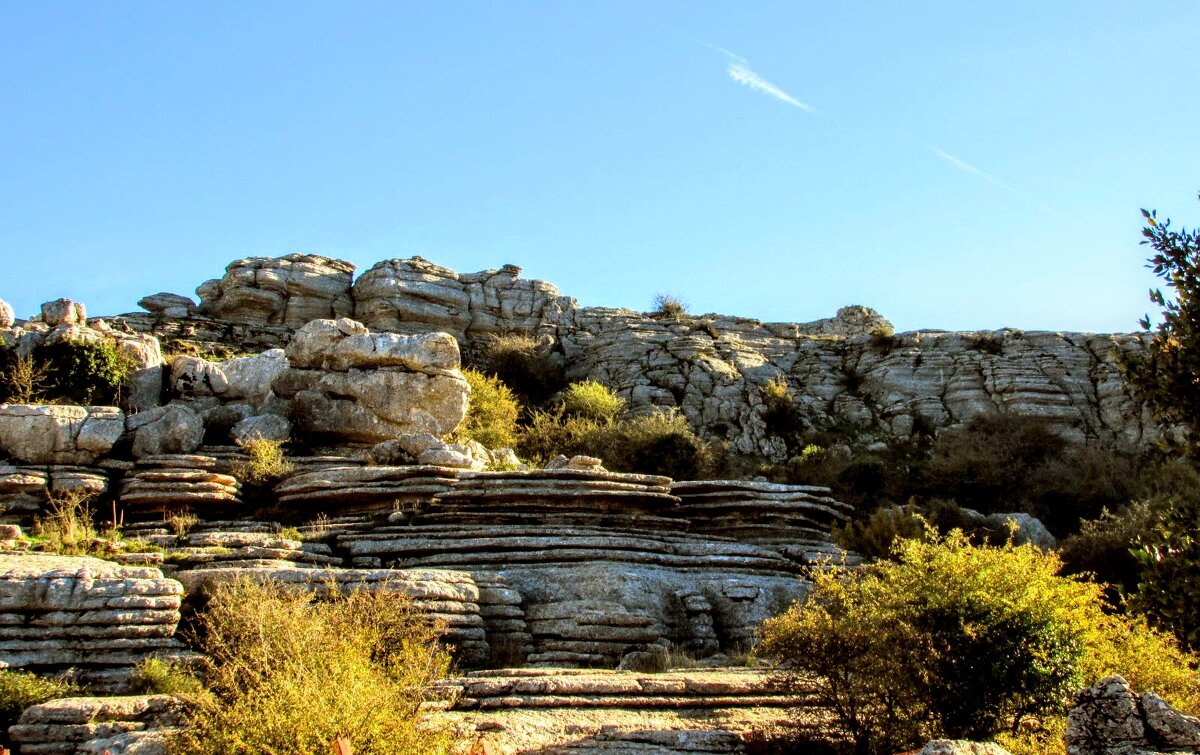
<point>1110,719</point>
<point>59,434</point>
<point>128,725</point>
<point>289,290</point>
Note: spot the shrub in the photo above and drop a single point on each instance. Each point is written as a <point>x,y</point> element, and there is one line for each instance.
<point>492,412</point>
<point>951,639</point>
<point>884,341</point>
<point>155,676</point>
<point>1104,546</point>
<point>266,463</point>
<point>290,674</point>
<point>781,416</point>
<point>987,343</point>
<point>69,525</point>
<point>591,400</point>
<point>661,442</point>
<point>22,381</point>
<point>524,365</point>
<point>669,307</point>
<point>21,689</point>
<point>1168,591</point>
<point>875,536</point>
<point>83,372</point>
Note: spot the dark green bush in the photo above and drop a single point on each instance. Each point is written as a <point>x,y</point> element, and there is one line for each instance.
<point>525,365</point>
<point>74,372</point>
<point>1104,546</point>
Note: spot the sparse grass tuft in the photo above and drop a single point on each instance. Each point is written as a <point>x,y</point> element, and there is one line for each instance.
<point>669,307</point>
<point>155,676</point>
<point>21,689</point>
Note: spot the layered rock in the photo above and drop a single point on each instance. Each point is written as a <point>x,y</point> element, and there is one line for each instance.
<point>1110,719</point>
<point>415,296</point>
<point>25,490</point>
<point>94,617</point>
<point>97,725</point>
<point>289,290</point>
<point>357,489</point>
<point>792,519</point>
<point>166,484</point>
<point>348,384</point>
<point>59,434</point>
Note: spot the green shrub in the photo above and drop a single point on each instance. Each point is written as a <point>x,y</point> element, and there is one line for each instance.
<point>590,400</point>
<point>884,341</point>
<point>265,464</point>
<point>492,412</point>
<point>950,639</point>
<point>524,365</point>
<point>1104,546</point>
<point>1169,554</point>
<point>155,676</point>
<point>987,343</point>
<point>669,307</point>
<point>875,536</point>
<point>289,674</point>
<point>21,689</point>
<point>83,372</point>
<point>781,416</point>
<point>661,442</point>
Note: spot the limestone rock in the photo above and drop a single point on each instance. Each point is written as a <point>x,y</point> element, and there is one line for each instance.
<point>290,290</point>
<point>168,305</point>
<point>1106,720</point>
<point>7,316</point>
<point>129,725</point>
<point>414,295</point>
<point>249,378</point>
<point>59,434</point>
<point>63,312</point>
<point>263,427</point>
<point>345,383</point>
<point>1029,529</point>
<point>172,429</point>
<point>961,747</point>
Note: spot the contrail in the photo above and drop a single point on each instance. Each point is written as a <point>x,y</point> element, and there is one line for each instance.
<point>742,74</point>
<point>966,167</point>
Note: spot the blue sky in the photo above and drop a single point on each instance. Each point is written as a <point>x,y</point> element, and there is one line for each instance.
<point>952,164</point>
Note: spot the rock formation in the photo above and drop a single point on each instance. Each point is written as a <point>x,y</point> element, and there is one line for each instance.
<point>92,617</point>
<point>1110,719</point>
<point>290,290</point>
<point>844,371</point>
<point>132,725</point>
<point>59,434</point>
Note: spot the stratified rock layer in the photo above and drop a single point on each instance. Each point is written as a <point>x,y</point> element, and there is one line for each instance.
<point>290,290</point>
<point>97,725</point>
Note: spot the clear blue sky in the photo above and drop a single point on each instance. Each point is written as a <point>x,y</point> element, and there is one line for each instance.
<point>952,164</point>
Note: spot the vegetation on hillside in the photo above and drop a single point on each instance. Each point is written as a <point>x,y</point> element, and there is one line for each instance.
<point>68,372</point>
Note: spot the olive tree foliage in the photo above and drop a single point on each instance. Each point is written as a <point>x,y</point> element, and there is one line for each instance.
<point>1166,376</point>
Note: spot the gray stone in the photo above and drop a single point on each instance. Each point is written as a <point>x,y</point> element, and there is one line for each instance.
<point>171,305</point>
<point>961,747</point>
<point>63,312</point>
<point>1028,529</point>
<point>7,316</point>
<point>289,290</point>
<point>172,429</point>
<point>263,427</point>
<point>59,434</point>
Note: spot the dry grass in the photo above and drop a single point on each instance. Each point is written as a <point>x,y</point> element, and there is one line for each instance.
<point>266,463</point>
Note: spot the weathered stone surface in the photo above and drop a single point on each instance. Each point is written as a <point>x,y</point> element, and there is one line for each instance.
<point>290,290</point>
<point>1110,719</point>
<point>372,389</point>
<point>961,747</point>
<point>263,427</point>
<point>168,484</point>
<point>168,305</point>
<point>414,295</point>
<point>59,434</point>
<point>130,725</point>
<point>7,316</point>
<point>63,312</point>
<point>172,429</point>
<point>1026,529</point>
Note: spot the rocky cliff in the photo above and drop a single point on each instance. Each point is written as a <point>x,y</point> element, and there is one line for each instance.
<point>847,372</point>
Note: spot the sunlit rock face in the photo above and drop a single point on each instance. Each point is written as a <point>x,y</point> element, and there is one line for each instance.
<point>290,290</point>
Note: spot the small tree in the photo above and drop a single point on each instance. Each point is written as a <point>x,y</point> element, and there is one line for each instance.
<point>1167,374</point>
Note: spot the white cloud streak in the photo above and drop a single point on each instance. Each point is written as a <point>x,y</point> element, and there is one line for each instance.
<point>742,74</point>
<point>966,167</point>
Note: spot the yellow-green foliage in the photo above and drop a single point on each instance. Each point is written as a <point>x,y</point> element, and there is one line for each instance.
<point>591,400</point>
<point>289,674</point>
<point>658,443</point>
<point>266,463</point>
<point>75,372</point>
<point>959,640</point>
<point>492,412</point>
<point>155,676</point>
<point>68,526</point>
<point>21,689</point>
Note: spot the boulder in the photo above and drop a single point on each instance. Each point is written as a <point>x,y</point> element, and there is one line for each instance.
<point>1110,719</point>
<point>961,747</point>
<point>262,427</point>
<point>290,290</point>
<point>7,316</point>
<point>172,429</point>
<point>168,305</point>
<point>63,312</point>
<point>59,434</point>
<point>1028,529</point>
<point>347,384</point>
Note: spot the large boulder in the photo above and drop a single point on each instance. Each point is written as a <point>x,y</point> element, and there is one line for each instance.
<point>348,384</point>
<point>63,312</point>
<point>1110,719</point>
<point>172,429</point>
<point>7,316</point>
<point>59,434</point>
<point>290,290</point>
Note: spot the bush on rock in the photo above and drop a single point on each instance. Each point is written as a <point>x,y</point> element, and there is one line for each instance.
<point>491,413</point>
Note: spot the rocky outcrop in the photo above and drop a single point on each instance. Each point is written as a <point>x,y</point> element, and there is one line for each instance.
<point>7,316</point>
<point>25,490</point>
<point>163,485</point>
<point>173,429</point>
<point>1110,719</point>
<point>290,290</point>
<point>131,725</point>
<point>347,384</point>
<point>94,617</point>
<point>59,434</point>
<point>168,305</point>
<point>961,747</point>
<point>846,371</point>
<point>415,296</point>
